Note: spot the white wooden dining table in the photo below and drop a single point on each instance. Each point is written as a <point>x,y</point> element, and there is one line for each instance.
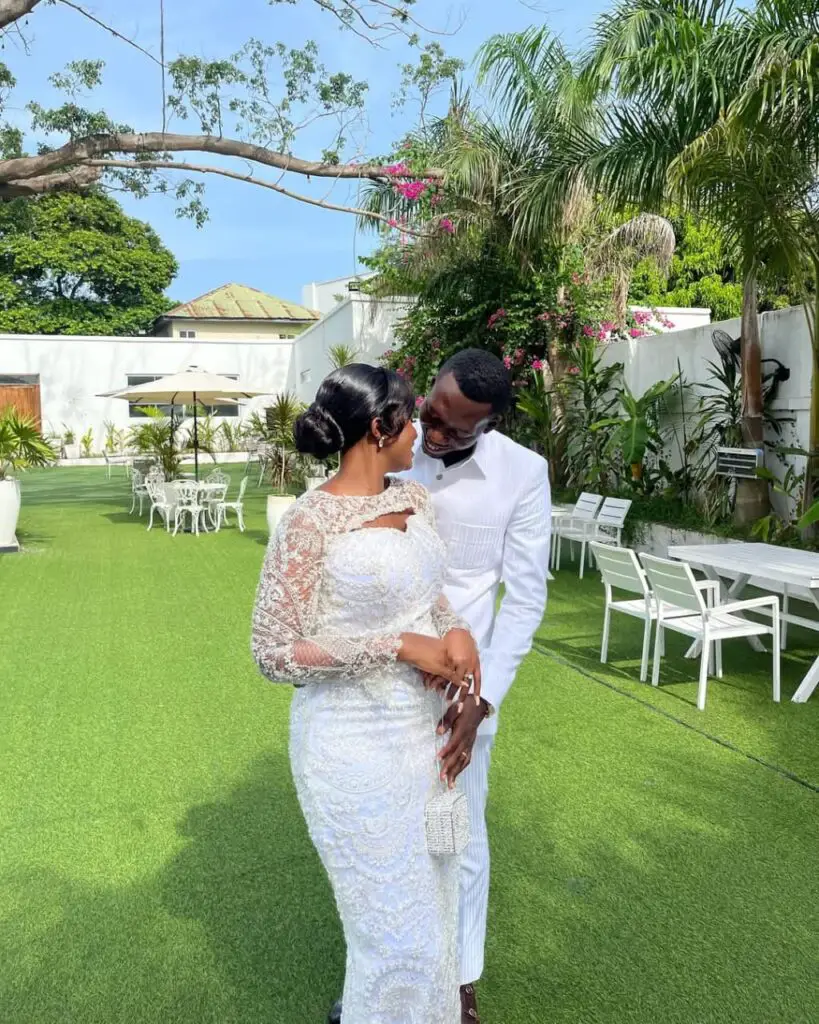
<point>790,569</point>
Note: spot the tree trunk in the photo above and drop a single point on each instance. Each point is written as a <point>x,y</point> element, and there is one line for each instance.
<point>811,492</point>
<point>753,500</point>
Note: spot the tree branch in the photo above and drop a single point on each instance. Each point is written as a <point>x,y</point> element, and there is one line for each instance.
<point>13,10</point>
<point>173,165</point>
<point>69,181</point>
<point>108,28</point>
<point>94,147</point>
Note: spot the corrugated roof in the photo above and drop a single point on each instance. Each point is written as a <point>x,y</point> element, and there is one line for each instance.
<point>240,302</point>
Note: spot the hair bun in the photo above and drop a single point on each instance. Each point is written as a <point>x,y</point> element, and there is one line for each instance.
<point>317,433</point>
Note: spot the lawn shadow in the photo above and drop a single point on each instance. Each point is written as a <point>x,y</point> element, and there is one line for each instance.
<point>238,928</point>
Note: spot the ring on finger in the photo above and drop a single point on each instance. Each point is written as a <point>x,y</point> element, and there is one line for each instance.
<point>464,755</point>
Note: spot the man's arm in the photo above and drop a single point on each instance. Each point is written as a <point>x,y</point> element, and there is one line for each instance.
<point>524,573</point>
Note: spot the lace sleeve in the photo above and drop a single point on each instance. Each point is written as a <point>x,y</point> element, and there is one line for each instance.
<point>443,617</point>
<point>285,643</point>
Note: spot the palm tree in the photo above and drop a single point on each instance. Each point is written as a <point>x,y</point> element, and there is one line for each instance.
<point>22,446</point>
<point>341,355</point>
<point>777,48</point>
<point>664,73</point>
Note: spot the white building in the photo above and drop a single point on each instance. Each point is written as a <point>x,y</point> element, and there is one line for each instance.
<point>57,378</point>
<point>236,331</point>
<point>364,324</point>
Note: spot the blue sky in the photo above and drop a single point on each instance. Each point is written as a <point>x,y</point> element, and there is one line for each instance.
<point>254,236</point>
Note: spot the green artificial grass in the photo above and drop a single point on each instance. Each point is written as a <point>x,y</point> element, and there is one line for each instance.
<point>651,864</point>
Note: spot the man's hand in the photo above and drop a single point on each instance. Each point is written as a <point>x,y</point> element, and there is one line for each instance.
<point>461,721</point>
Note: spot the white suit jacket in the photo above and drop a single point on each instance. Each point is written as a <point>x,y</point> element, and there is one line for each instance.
<point>494,513</point>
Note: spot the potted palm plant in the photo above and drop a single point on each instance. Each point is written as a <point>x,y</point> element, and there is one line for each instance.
<point>71,446</point>
<point>158,436</point>
<point>22,447</point>
<point>284,459</point>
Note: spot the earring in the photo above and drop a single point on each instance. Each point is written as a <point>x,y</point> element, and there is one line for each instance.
<point>380,442</point>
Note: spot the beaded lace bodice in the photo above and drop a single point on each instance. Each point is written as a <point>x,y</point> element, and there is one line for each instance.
<point>335,595</point>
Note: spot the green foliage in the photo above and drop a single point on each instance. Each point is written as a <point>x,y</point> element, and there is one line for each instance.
<point>637,429</point>
<point>76,264</point>
<point>22,446</point>
<point>341,355</point>
<point>87,442</point>
<point>478,296</point>
<point>161,437</point>
<point>114,437</point>
<point>541,422</point>
<point>702,274</point>
<point>590,390</point>
<point>284,463</point>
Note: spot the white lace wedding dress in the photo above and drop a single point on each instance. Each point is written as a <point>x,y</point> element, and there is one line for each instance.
<point>333,600</point>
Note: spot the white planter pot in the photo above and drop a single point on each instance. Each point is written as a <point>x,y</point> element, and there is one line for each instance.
<point>312,482</point>
<point>72,451</point>
<point>277,505</point>
<point>9,511</point>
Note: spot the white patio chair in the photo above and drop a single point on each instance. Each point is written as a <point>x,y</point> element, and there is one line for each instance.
<point>610,520</point>
<point>187,504</point>
<point>682,608</point>
<point>576,527</point>
<point>233,506</point>
<point>620,570</point>
<point>159,501</point>
<point>213,498</point>
<point>139,491</point>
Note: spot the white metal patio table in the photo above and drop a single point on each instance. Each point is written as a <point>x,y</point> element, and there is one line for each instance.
<point>788,567</point>
<point>204,489</point>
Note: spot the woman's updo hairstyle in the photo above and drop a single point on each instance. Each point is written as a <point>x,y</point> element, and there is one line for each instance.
<point>346,404</point>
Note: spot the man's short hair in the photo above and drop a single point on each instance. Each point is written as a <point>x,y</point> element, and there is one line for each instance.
<point>482,377</point>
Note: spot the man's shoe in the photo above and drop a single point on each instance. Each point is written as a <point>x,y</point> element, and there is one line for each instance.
<point>334,1016</point>
<point>469,1005</point>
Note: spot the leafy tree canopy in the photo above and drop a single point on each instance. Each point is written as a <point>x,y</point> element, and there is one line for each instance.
<point>77,264</point>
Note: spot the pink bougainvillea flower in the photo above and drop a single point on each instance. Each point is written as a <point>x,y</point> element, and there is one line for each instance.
<point>419,401</point>
<point>635,332</point>
<point>607,326</point>
<point>588,331</point>
<point>393,222</point>
<point>507,362</point>
<point>499,314</point>
<point>445,224</point>
<point>537,365</point>
<point>411,190</point>
<point>519,354</point>
<point>396,170</point>
<point>574,370</point>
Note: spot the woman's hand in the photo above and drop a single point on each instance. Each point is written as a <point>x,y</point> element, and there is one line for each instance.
<point>462,651</point>
<point>429,654</point>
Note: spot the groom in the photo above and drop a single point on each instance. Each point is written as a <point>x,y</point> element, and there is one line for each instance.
<point>491,499</point>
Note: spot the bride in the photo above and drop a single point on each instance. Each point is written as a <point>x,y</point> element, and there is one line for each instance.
<point>350,609</point>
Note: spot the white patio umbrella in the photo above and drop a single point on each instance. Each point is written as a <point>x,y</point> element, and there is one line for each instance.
<point>189,387</point>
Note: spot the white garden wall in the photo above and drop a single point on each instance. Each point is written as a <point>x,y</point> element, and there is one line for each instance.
<point>73,370</point>
<point>784,336</point>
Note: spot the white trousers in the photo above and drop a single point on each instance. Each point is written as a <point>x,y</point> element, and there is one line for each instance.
<point>474,897</point>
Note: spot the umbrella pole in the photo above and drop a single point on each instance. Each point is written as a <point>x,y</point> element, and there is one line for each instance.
<point>195,438</point>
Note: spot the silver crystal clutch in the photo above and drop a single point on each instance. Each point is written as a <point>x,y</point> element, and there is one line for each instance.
<point>447,823</point>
